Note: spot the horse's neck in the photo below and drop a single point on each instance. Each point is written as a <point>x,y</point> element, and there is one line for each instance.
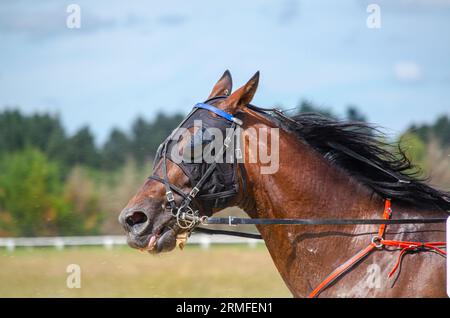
<point>306,186</point>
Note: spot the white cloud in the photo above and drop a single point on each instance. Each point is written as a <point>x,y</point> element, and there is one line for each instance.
<point>407,71</point>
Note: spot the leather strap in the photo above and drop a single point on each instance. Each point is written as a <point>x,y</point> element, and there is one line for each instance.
<point>275,221</point>
<point>341,270</point>
<point>219,112</point>
<point>378,242</point>
<point>230,233</point>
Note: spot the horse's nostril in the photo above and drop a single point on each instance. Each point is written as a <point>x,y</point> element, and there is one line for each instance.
<point>137,217</point>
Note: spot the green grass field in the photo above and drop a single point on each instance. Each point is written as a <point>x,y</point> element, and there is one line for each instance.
<point>221,271</point>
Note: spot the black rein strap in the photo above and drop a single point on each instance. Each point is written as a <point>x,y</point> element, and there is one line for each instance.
<point>239,221</point>
<point>236,221</point>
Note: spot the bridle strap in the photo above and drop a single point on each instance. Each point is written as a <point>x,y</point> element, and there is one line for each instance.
<point>178,211</point>
<point>219,112</point>
<point>165,180</point>
<point>229,233</point>
<point>199,185</point>
<point>173,187</point>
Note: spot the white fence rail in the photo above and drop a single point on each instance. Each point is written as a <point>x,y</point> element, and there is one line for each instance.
<point>109,241</point>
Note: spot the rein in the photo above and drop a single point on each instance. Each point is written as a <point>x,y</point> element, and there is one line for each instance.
<point>233,221</point>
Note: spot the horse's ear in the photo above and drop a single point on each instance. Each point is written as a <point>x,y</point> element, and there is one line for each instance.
<point>223,86</point>
<point>243,96</point>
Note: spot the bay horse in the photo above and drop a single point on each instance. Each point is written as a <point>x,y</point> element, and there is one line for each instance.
<point>326,168</point>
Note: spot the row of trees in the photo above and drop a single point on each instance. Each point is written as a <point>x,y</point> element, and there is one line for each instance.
<point>34,198</point>
<point>439,130</point>
<point>46,133</point>
<point>352,112</point>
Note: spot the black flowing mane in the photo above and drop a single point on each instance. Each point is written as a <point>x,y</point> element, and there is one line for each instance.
<point>359,149</point>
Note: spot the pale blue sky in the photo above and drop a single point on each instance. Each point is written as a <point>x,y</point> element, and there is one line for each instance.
<point>139,57</point>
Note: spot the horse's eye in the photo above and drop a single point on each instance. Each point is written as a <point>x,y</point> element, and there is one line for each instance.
<point>194,149</point>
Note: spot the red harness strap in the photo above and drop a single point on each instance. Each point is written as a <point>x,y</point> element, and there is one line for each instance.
<point>378,242</point>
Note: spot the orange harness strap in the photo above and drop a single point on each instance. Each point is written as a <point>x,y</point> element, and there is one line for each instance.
<point>378,242</point>
<point>341,270</point>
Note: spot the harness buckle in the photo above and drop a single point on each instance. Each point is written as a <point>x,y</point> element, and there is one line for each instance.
<point>170,196</point>
<point>194,192</point>
<point>230,221</point>
<point>204,220</point>
<point>377,241</point>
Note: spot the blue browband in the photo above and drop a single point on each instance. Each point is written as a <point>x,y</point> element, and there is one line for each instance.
<point>219,112</point>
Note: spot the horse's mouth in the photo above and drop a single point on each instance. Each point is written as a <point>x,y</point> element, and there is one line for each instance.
<point>162,239</point>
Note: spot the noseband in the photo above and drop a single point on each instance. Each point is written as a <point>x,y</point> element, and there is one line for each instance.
<point>215,183</point>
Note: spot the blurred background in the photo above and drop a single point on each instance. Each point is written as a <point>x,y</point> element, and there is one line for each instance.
<point>84,104</point>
